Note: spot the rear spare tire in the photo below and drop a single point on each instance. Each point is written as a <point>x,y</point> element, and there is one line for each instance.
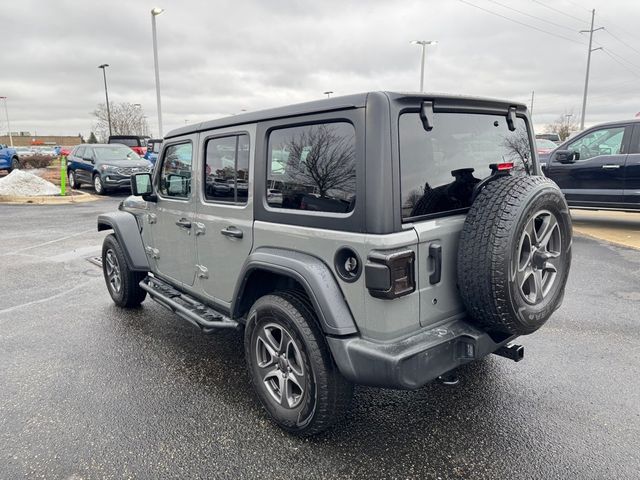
<point>514,254</point>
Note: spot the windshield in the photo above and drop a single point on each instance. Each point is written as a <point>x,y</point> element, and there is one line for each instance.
<point>440,168</point>
<point>116,153</point>
<point>542,143</point>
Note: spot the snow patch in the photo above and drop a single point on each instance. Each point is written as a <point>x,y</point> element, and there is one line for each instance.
<point>25,184</point>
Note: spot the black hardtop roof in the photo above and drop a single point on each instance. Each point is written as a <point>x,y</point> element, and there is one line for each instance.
<point>357,100</point>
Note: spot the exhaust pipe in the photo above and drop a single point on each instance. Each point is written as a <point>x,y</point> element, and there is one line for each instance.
<point>511,351</point>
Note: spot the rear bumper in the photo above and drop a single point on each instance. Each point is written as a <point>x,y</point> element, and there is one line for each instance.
<point>413,361</point>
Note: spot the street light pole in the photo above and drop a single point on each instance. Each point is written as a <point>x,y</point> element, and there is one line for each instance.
<point>154,13</point>
<point>328,93</point>
<point>6,112</point>
<point>586,78</point>
<point>106,93</point>
<point>423,44</point>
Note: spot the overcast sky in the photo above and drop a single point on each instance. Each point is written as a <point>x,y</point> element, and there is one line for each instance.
<point>218,57</point>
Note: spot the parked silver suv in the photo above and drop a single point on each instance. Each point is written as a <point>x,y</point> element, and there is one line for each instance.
<point>382,239</point>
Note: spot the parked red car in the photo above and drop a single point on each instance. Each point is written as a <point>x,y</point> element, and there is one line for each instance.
<point>137,143</point>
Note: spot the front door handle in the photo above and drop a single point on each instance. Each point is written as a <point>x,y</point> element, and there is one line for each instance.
<point>232,231</point>
<point>610,167</point>
<point>184,223</point>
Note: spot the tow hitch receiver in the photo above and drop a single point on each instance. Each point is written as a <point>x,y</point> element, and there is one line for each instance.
<point>511,351</point>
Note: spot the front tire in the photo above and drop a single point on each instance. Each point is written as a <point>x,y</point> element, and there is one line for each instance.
<point>290,366</point>
<point>122,283</point>
<point>98,186</point>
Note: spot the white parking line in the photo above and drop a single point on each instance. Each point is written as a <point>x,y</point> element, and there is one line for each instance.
<point>47,243</point>
<point>52,297</point>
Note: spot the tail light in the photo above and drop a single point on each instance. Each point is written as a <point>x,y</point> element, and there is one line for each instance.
<point>390,275</point>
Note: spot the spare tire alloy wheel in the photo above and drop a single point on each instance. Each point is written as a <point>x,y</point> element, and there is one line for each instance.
<point>535,266</point>
<point>514,254</point>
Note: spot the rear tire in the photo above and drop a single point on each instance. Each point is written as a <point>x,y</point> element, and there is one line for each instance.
<point>291,367</point>
<point>122,283</point>
<point>73,181</point>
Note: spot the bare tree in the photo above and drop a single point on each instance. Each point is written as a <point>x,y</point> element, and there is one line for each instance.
<point>518,146</point>
<point>126,119</point>
<point>322,158</point>
<point>564,125</point>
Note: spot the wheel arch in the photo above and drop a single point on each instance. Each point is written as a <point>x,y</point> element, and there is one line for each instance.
<point>125,227</point>
<point>268,270</point>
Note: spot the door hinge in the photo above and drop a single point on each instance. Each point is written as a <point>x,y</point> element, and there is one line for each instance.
<point>152,218</point>
<point>199,228</point>
<point>152,252</point>
<point>202,271</point>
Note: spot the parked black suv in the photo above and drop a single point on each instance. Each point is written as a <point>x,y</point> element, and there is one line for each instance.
<point>600,167</point>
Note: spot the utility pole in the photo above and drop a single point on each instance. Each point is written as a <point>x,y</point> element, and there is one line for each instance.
<point>6,111</point>
<point>586,78</point>
<point>531,109</point>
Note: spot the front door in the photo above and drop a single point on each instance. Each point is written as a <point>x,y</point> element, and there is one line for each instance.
<point>172,248</point>
<point>224,212</point>
<point>596,176</point>
<point>632,172</point>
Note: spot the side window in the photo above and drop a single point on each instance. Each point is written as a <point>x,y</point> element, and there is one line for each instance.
<point>175,177</point>
<point>80,152</point>
<point>606,141</point>
<point>312,167</point>
<point>89,153</point>
<point>227,169</point>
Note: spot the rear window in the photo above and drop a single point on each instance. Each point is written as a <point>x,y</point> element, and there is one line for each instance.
<point>440,168</point>
<point>129,142</point>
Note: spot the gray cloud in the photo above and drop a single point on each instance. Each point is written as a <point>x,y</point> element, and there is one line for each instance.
<point>217,58</point>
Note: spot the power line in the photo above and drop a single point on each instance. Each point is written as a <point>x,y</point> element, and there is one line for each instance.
<point>521,23</point>
<point>582,20</point>
<point>622,41</point>
<point>533,16</point>
<point>620,58</point>
<point>629,34</point>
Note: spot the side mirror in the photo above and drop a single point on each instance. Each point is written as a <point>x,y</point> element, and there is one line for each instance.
<point>141,185</point>
<point>567,156</point>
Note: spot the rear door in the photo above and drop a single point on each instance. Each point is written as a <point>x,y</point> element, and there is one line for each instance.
<point>439,170</point>
<point>225,210</point>
<point>172,224</point>
<point>596,178</point>
<point>631,195</point>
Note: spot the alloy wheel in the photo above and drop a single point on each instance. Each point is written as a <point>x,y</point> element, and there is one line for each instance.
<point>281,366</point>
<point>113,271</point>
<point>538,260</point>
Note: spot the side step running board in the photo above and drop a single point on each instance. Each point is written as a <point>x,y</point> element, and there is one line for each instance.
<point>192,310</point>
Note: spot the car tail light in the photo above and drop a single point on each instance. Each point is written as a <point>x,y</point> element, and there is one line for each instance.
<point>504,166</point>
<point>390,275</point>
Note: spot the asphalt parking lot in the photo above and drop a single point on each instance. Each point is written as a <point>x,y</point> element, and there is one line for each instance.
<point>91,391</point>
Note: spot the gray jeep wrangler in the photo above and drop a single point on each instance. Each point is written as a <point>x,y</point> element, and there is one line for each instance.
<point>382,239</point>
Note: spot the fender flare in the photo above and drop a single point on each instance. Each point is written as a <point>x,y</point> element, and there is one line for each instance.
<point>315,277</point>
<point>125,227</point>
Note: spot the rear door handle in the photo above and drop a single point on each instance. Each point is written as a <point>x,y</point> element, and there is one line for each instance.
<point>232,231</point>
<point>435,259</point>
<point>610,167</point>
<point>183,223</point>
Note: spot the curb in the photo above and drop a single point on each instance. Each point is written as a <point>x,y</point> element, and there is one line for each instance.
<point>76,197</point>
